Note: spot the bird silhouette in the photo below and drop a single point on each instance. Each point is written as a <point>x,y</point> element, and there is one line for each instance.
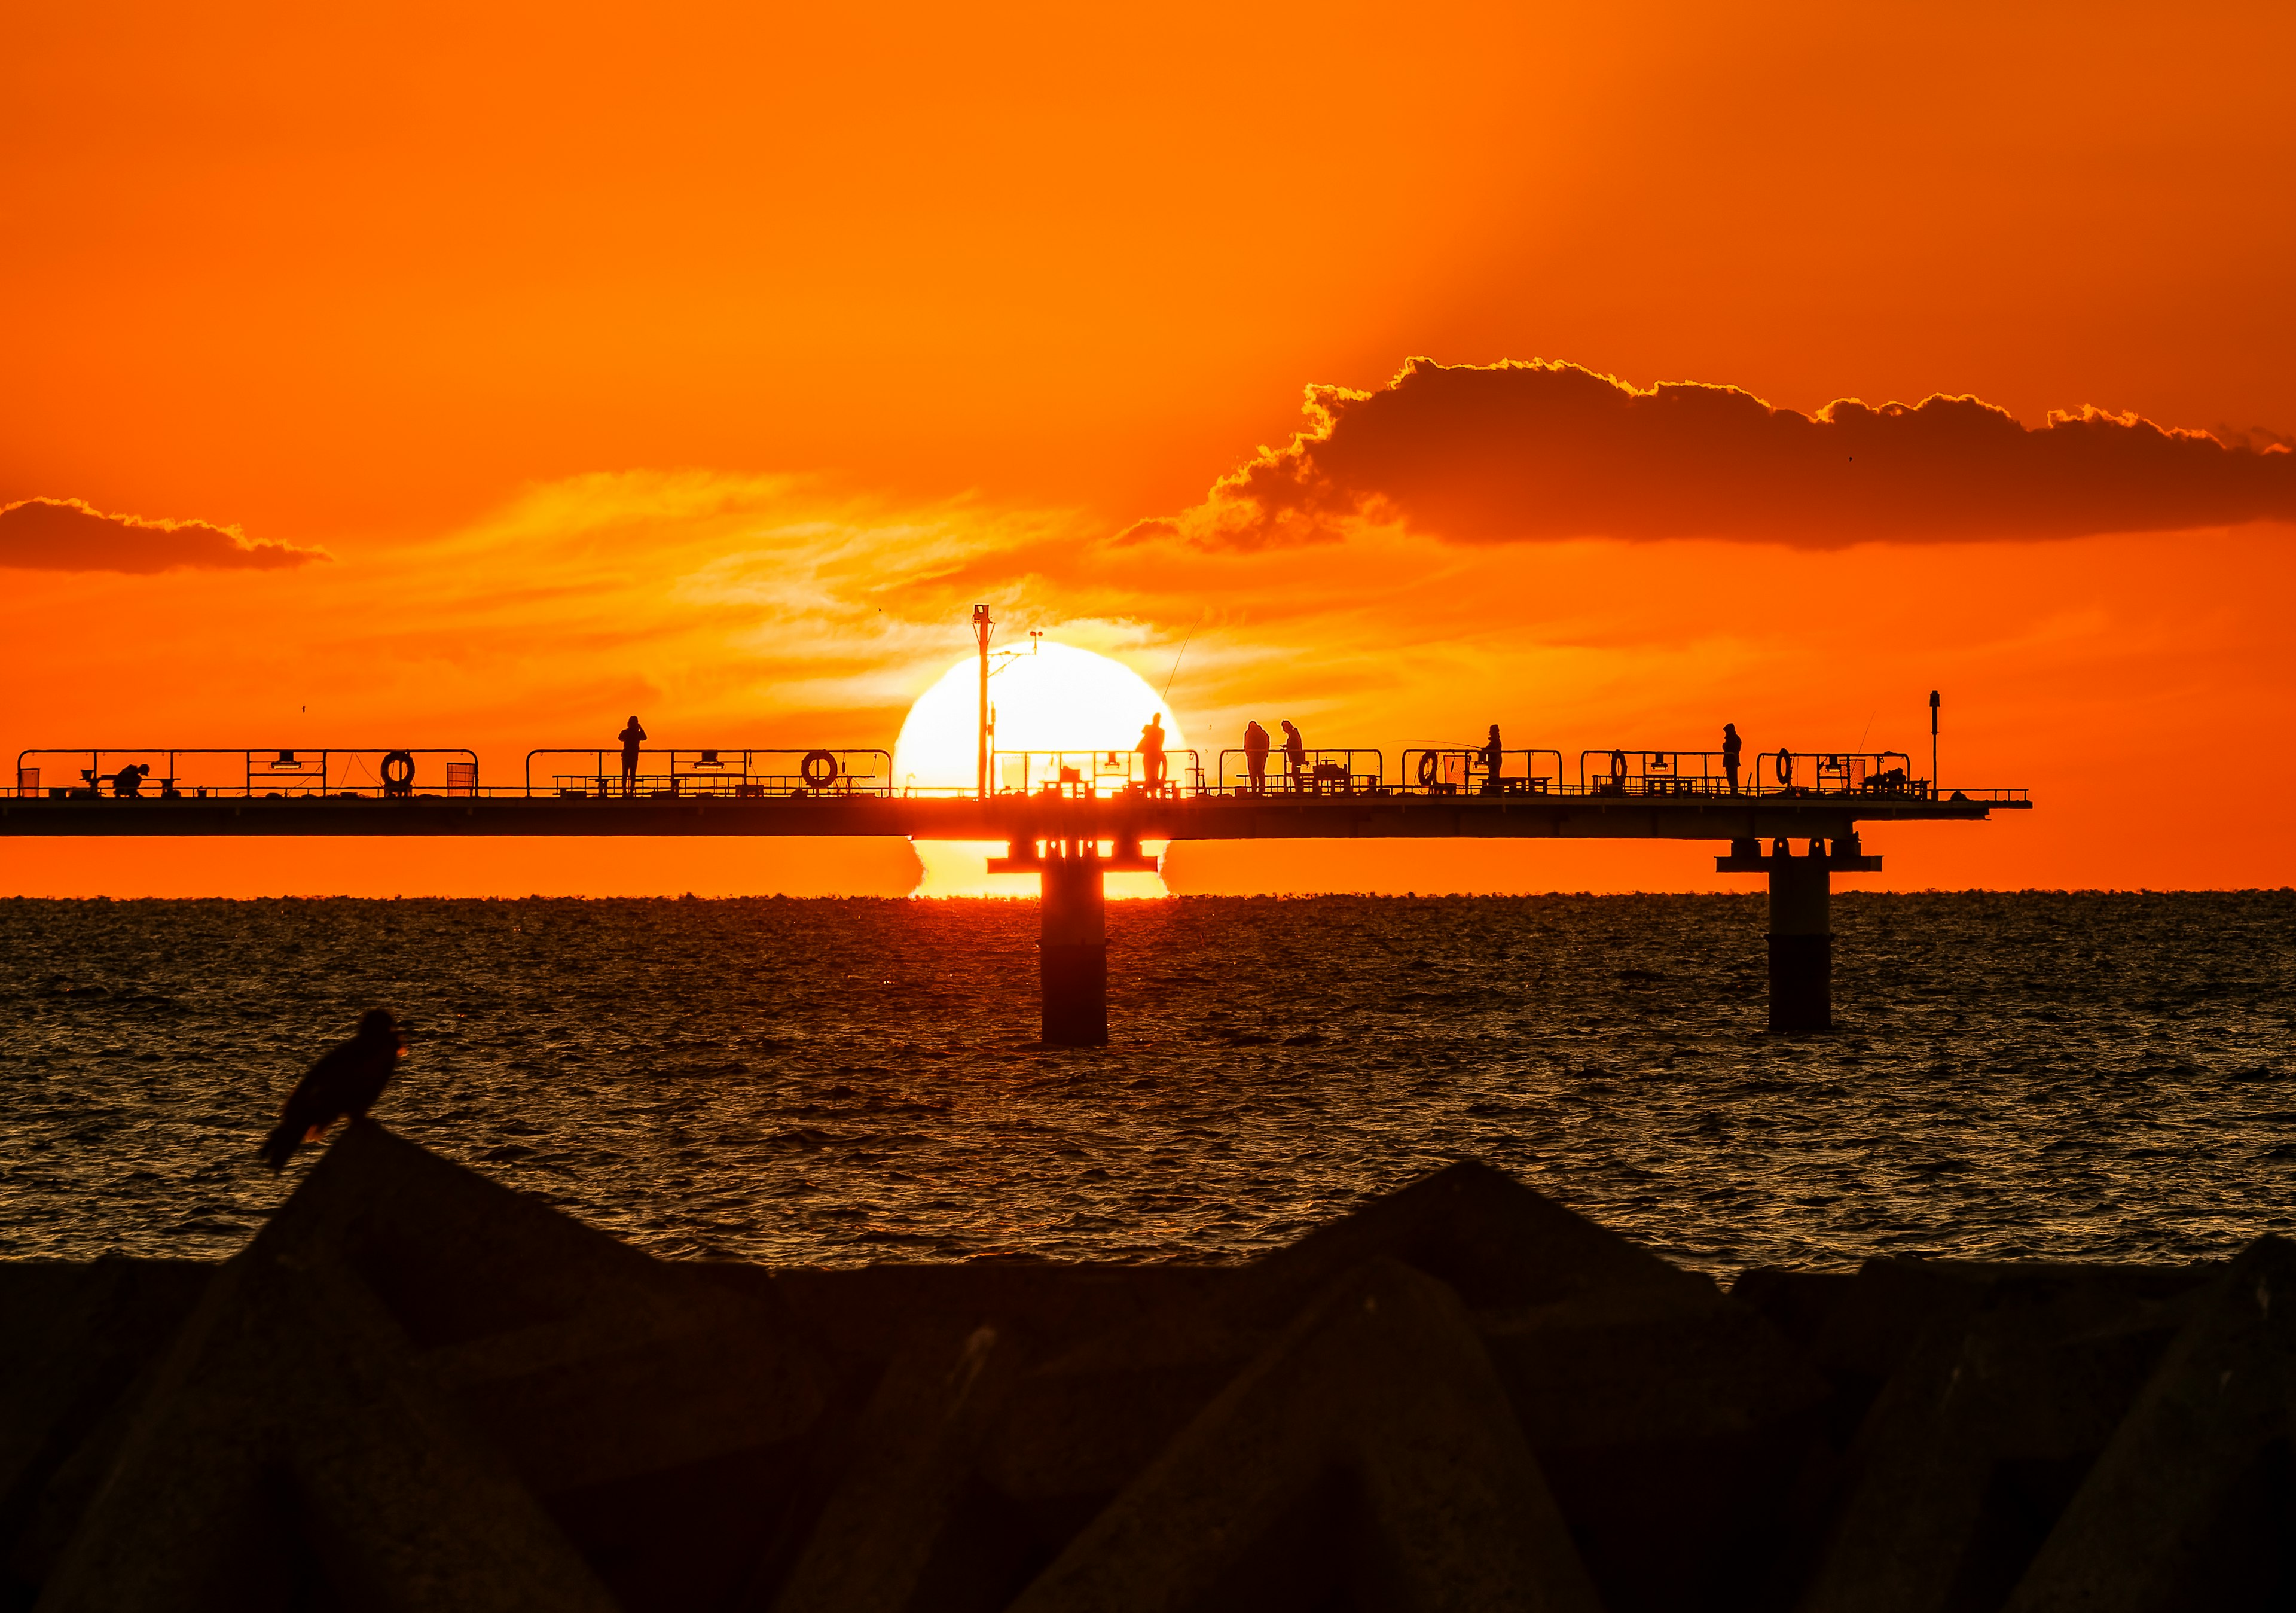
<point>345,1081</point>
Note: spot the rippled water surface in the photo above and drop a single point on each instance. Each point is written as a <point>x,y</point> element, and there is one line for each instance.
<point>2098,1076</point>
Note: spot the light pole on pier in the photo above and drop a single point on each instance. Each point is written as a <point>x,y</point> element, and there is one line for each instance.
<point>1934,716</point>
<point>982,626</point>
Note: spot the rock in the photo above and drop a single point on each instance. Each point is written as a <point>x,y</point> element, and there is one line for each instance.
<point>2193,1502</point>
<point>903,1530</point>
<point>77,1336</point>
<point>1369,1452</point>
<point>415,1388</point>
<point>2003,1386</point>
<point>1671,1433</point>
<point>1496,1242</point>
<point>288,1444</point>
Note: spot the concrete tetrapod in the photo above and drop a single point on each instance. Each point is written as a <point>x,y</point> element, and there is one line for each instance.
<point>1986,1428</point>
<point>2192,1504</point>
<point>416,1388</point>
<point>1370,1444</point>
<point>874,1549</point>
<point>287,1425</point>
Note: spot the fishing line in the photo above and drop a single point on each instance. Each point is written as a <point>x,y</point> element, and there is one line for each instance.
<point>1163,699</point>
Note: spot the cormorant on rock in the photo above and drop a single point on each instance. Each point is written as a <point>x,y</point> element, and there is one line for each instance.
<point>345,1081</point>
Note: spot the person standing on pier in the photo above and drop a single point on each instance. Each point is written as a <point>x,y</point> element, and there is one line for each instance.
<point>1152,753</point>
<point>1255,756</point>
<point>1295,752</point>
<point>1731,745</point>
<point>631,737</point>
<point>1491,757</point>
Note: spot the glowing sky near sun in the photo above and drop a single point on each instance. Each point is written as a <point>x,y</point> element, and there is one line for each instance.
<point>477,376</point>
<point>1045,697</point>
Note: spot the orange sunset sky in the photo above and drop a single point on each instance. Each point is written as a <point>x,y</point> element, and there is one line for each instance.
<point>476,375</point>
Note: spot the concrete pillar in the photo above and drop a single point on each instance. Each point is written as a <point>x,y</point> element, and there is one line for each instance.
<point>1802,941</point>
<point>1072,953</point>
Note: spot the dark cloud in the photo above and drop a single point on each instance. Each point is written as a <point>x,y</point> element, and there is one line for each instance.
<point>66,535</point>
<point>1515,452</point>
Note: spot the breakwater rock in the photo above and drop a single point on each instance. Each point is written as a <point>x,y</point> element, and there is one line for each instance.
<point>417,1389</point>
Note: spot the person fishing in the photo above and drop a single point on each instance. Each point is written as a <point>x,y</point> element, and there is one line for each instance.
<point>631,737</point>
<point>1295,753</point>
<point>1152,752</point>
<point>1731,745</point>
<point>1255,756</point>
<point>1491,757</point>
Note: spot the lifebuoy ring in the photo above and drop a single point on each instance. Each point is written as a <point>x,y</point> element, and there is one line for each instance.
<point>1428,768</point>
<point>1618,764</point>
<point>1786,766</point>
<point>820,769</point>
<point>399,773</point>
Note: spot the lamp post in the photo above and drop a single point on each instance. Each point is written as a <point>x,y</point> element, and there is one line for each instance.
<point>1933,767</point>
<point>982,626</point>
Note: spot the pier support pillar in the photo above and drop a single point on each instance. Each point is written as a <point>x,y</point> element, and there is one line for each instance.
<point>1801,922</point>
<point>1801,943</point>
<point>1072,953</point>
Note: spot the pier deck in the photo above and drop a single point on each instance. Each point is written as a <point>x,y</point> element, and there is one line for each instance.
<point>1005,818</point>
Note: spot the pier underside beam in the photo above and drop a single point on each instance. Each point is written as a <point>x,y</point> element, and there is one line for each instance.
<point>1801,923</point>
<point>1072,953</point>
<point>1072,931</point>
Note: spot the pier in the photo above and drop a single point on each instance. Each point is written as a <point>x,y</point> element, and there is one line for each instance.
<point>1071,818</point>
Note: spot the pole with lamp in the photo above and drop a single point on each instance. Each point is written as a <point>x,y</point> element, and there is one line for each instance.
<point>1934,761</point>
<point>983,625</point>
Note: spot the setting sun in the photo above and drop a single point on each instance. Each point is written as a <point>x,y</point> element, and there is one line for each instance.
<point>1045,697</point>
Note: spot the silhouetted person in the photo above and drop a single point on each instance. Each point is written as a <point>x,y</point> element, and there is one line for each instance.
<point>1491,756</point>
<point>1255,756</point>
<point>1295,752</point>
<point>1152,752</point>
<point>631,737</point>
<point>129,780</point>
<point>1731,745</point>
<point>345,1081</point>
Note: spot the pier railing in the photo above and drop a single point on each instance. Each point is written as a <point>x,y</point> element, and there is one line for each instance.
<point>162,772</point>
<point>176,773</point>
<point>1090,775</point>
<point>1467,771</point>
<point>1326,772</point>
<point>647,775</point>
<point>1885,773</point>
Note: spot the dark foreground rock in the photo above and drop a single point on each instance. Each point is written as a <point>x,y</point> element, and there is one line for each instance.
<point>418,1389</point>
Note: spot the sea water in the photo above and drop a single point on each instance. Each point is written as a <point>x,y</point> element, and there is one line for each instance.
<point>2037,1076</point>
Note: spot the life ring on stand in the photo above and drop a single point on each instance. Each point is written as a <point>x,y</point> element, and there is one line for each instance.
<point>820,769</point>
<point>1428,768</point>
<point>398,773</point>
<point>1785,765</point>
